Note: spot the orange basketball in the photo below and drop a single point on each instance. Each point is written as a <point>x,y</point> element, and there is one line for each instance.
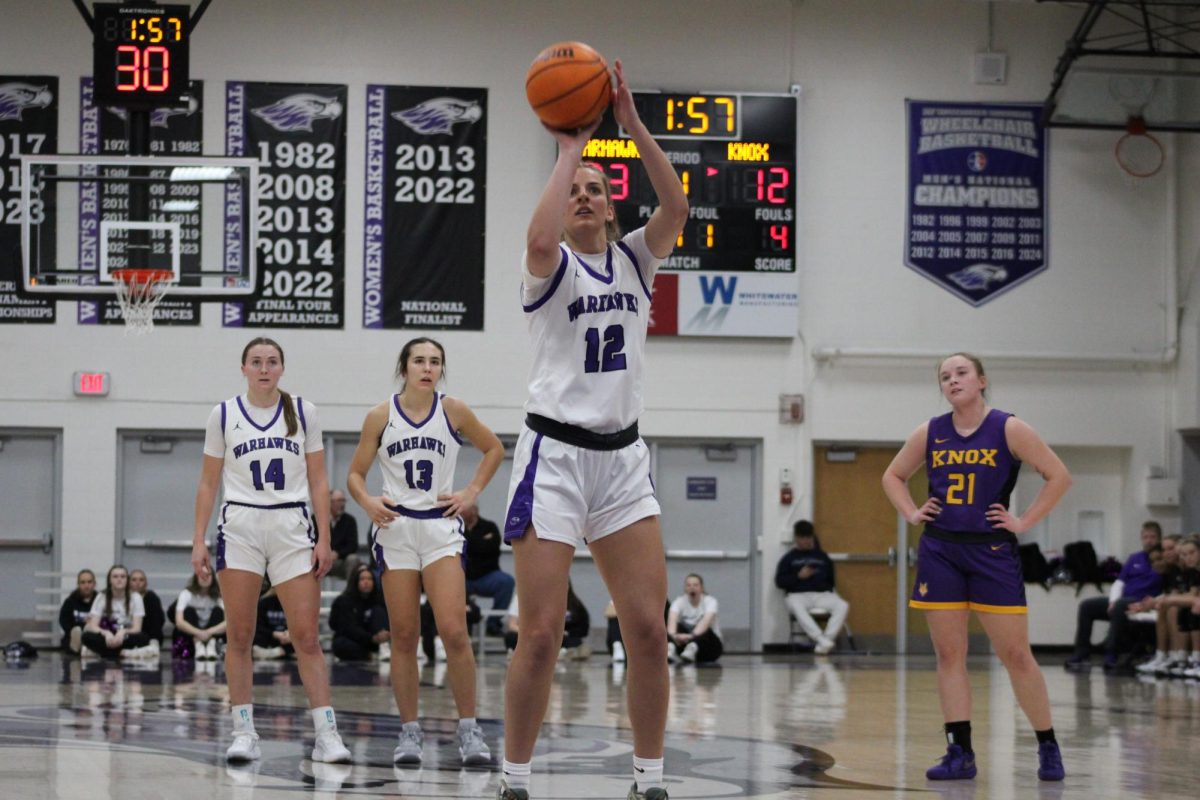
<point>568,85</point>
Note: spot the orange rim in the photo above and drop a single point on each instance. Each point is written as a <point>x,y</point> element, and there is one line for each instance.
<point>141,277</point>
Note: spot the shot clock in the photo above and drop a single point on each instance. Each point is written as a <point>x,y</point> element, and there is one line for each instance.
<point>736,157</point>
<point>140,54</point>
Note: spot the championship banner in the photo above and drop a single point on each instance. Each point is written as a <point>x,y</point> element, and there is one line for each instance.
<point>298,133</point>
<point>976,222</point>
<point>28,125</point>
<point>173,132</point>
<point>424,217</point>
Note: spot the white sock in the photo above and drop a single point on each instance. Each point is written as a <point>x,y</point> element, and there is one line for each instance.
<point>243,718</point>
<point>1160,655</point>
<point>466,722</point>
<point>323,719</point>
<point>647,773</point>
<point>517,775</point>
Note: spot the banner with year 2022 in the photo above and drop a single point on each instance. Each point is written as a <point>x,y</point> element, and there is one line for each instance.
<point>176,131</point>
<point>298,133</point>
<point>976,223</point>
<point>423,257</point>
<point>28,126</point>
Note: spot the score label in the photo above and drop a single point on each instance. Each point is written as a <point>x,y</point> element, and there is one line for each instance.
<point>736,157</point>
<point>140,54</point>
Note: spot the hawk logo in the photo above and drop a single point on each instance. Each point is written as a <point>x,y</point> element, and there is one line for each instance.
<point>978,277</point>
<point>298,111</point>
<point>923,589</point>
<point>16,97</point>
<point>439,115</point>
<point>160,116</point>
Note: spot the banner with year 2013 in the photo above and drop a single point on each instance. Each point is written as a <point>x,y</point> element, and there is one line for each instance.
<point>298,133</point>
<point>28,126</point>
<point>177,131</point>
<point>425,203</point>
<point>976,223</point>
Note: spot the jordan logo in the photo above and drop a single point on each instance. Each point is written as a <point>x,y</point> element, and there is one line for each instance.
<point>923,589</point>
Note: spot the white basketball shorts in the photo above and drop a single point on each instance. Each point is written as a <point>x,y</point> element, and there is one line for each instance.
<point>575,495</point>
<point>416,539</point>
<point>277,540</point>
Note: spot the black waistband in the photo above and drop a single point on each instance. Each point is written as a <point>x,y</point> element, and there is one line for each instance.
<point>971,537</point>
<point>581,437</point>
<point>275,507</point>
<point>425,513</point>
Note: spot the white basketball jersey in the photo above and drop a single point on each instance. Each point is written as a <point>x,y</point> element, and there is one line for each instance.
<point>263,465</point>
<point>588,324</point>
<point>417,458</point>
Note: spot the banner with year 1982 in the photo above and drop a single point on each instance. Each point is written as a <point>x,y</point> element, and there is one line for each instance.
<point>424,216</point>
<point>298,133</point>
<point>28,126</point>
<point>976,222</point>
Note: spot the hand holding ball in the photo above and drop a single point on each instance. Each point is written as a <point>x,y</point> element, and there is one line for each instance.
<point>568,86</point>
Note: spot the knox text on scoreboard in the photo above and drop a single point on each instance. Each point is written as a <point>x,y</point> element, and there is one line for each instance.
<point>733,269</point>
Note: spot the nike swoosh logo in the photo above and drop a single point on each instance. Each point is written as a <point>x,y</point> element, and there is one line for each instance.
<point>941,441</point>
<point>639,769</point>
<point>997,546</point>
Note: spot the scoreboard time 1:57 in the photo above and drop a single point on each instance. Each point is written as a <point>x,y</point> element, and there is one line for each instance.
<point>736,157</point>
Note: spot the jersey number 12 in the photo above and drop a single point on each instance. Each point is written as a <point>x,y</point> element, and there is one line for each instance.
<point>614,343</point>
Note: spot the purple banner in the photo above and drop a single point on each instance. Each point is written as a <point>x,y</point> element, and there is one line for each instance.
<point>976,222</point>
<point>28,126</point>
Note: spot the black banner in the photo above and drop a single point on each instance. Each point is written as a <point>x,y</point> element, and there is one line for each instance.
<point>28,125</point>
<point>298,133</point>
<point>424,218</point>
<point>175,132</point>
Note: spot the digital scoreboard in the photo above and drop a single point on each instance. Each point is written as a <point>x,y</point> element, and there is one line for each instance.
<point>140,54</point>
<point>736,156</point>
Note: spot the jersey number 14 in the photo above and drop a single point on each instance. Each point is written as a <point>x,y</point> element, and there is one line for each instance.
<point>273,475</point>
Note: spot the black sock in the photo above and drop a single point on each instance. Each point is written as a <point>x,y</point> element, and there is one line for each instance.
<point>1045,736</point>
<point>959,733</point>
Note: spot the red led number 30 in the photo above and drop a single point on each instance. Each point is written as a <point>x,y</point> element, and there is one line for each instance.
<point>146,69</point>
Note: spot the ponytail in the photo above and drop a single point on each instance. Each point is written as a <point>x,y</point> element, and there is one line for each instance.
<point>289,413</point>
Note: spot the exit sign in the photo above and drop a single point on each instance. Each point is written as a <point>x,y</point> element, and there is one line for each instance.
<point>91,384</point>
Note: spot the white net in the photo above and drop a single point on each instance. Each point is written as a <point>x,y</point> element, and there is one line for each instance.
<point>139,291</point>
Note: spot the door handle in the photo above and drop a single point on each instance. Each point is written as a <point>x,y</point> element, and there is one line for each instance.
<point>891,556</point>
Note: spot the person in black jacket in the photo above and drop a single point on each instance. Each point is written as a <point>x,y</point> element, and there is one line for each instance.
<point>805,573</point>
<point>271,637</point>
<point>73,614</point>
<point>152,625</point>
<point>359,619</point>
<point>343,535</point>
<point>484,576</point>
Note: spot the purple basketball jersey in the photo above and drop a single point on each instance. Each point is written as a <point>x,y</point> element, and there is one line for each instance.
<point>969,473</point>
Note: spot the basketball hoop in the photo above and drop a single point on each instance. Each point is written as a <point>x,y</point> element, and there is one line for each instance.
<point>1139,153</point>
<point>139,291</point>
